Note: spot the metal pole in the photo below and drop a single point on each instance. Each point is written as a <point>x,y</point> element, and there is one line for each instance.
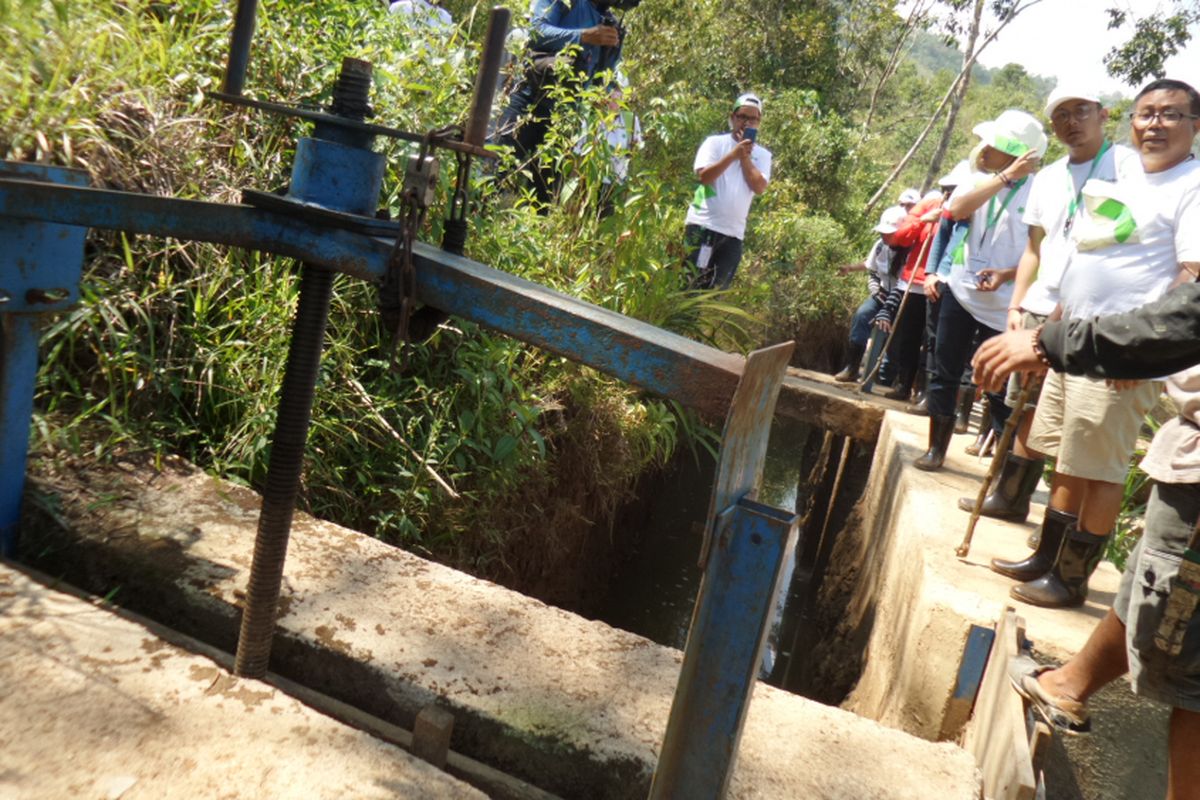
<point>18,371</point>
<point>486,79</point>
<point>239,46</point>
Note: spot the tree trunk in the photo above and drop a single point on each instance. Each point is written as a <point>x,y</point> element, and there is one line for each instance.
<point>956,101</point>
<point>968,63</point>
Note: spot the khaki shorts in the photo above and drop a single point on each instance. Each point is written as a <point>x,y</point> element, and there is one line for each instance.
<point>1142,599</point>
<point>1089,428</point>
<point>1013,390</point>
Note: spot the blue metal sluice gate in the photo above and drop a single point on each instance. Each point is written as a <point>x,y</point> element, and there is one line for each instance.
<point>326,221</point>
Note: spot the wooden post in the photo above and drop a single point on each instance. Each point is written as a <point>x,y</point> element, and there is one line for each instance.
<point>431,735</point>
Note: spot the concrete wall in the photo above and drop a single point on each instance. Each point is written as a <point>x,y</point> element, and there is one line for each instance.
<point>913,602</point>
<point>572,706</point>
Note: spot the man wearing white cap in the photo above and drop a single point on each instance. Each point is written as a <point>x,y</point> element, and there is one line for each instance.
<point>1131,241</point>
<point>1077,118</point>
<point>908,199</point>
<point>980,279</point>
<point>732,170</point>
<point>882,264</point>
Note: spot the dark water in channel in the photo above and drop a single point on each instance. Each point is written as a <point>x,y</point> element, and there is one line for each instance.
<point>654,592</point>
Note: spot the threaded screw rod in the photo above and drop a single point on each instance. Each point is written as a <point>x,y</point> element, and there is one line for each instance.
<point>283,472</point>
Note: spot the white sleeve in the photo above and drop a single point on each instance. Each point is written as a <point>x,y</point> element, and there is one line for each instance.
<point>765,166</point>
<point>1187,227</point>
<point>708,154</point>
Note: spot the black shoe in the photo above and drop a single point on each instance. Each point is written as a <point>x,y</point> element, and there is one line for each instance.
<point>854,358</point>
<point>940,430</point>
<point>900,392</point>
<point>1039,562</point>
<point>966,401</point>
<point>1009,497</point>
<point>1066,584</point>
<point>920,405</point>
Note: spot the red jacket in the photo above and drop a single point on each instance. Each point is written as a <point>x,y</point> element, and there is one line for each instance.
<point>912,233</point>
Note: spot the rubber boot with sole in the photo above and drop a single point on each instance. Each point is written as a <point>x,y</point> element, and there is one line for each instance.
<point>1041,560</point>
<point>1066,584</point>
<point>854,357</point>
<point>966,401</point>
<point>940,430</point>
<point>1009,497</point>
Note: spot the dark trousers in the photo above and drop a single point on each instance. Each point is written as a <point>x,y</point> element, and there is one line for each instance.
<point>932,309</point>
<point>956,343</point>
<point>904,352</point>
<point>722,265</point>
<point>525,134</point>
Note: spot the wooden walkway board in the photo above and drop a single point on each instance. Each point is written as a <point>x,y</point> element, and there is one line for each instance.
<point>997,736</point>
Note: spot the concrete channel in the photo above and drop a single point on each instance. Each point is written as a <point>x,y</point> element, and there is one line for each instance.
<point>575,707</point>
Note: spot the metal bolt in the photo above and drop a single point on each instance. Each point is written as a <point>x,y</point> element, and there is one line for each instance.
<point>352,90</point>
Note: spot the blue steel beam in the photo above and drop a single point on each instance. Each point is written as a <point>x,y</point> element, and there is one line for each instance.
<point>746,546</point>
<point>40,264</point>
<point>665,363</point>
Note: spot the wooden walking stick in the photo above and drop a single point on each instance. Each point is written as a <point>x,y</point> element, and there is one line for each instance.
<point>1010,430</point>
<point>866,382</point>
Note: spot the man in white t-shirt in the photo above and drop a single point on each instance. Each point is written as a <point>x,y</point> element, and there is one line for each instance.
<point>732,170</point>
<point>1077,119</point>
<point>1131,241</point>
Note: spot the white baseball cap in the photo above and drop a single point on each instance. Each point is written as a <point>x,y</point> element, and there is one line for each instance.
<point>1013,132</point>
<point>957,176</point>
<point>933,194</point>
<point>749,99</point>
<point>909,196</point>
<point>1064,92</point>
<point>890,219</point>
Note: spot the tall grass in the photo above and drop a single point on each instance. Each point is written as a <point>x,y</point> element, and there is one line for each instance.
<point>486,450</point>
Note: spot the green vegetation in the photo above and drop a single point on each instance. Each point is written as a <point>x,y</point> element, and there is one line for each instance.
<point>487,454</point>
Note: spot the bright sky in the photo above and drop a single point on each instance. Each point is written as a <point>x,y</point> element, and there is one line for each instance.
<point>1068,39</point>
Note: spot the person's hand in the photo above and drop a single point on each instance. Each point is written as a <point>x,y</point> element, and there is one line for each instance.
<point>1000,356</point>
<point>1024,166</point>
<point>932,215</point>
<point>992,279</point>
<point>884,324</point>
<point>933,286</point>
<point>1015,321</point>
<point>1121,385</point>
<point>602,35</point>
<point>744,147</point>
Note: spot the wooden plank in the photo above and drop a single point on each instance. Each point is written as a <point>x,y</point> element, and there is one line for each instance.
<point>997,736</point>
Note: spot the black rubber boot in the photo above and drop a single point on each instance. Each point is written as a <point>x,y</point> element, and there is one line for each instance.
<point>940,430</point>
<point>1040,561</point>
<point>853,363</point>
<point>919,405</point>
<point>1009,497</point>
<point>1066,584</point>
<point>966,401</point>
<point>901,391</point>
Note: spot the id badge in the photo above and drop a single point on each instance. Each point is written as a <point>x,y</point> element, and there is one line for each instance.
<point>976,265</point>
<point>704,256</point>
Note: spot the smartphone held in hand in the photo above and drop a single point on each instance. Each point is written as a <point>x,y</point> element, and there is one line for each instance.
<point>750,134</point>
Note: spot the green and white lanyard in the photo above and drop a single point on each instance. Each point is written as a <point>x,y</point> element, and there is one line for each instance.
<point>1077,194</point>
<point>993,215</point>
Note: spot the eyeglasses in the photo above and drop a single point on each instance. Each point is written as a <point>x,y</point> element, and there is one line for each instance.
<point>746,118</point>
<point>1080,114</point>
<point>1168,116</point>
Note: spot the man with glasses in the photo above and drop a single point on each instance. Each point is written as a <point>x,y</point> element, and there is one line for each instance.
<point>1131,241</point>
<point>1077,118</point>
<point>732,170</point>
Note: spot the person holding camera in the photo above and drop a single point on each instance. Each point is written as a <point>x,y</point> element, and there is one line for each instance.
<point>732,170</point>
<point>555,26</point>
